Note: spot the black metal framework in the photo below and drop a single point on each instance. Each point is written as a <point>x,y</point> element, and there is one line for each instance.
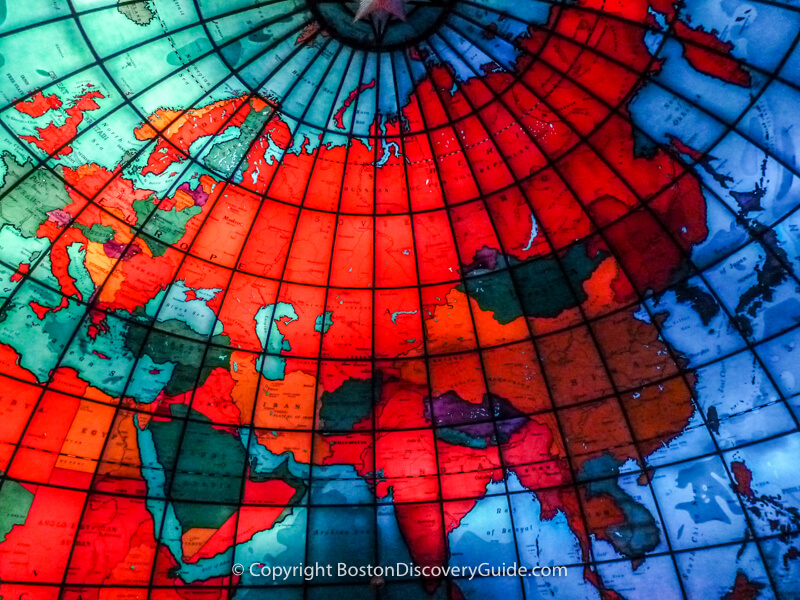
<point>358,55</point>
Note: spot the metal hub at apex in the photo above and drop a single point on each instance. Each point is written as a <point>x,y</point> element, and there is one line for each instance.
<point>380,24</point>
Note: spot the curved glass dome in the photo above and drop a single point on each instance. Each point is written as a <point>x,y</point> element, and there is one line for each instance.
<point>310,299</point>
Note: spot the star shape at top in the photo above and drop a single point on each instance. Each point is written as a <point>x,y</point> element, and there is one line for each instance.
<point>381,9</point>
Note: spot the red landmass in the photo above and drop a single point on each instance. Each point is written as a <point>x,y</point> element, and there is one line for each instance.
<point>38,550</point>
<point>339,116</point>
<point>248,520</point>
<point>54,137</point>
<point>111,527</point>
<point>424,533</point>
<point>743,588</point>
<point>710,55</point>
<point>182,129</point>
<point>22,270</point>
<point>743,479</point>
<point>38,104</point>
<point>213,399</point>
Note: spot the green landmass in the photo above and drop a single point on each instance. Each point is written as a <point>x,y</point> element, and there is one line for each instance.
<point>25,207</point>
<point>140,12</point>
<point>166,343</point>
<point>350,402</point>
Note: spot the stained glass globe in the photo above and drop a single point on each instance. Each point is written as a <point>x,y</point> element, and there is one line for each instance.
<point>399,299</point>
